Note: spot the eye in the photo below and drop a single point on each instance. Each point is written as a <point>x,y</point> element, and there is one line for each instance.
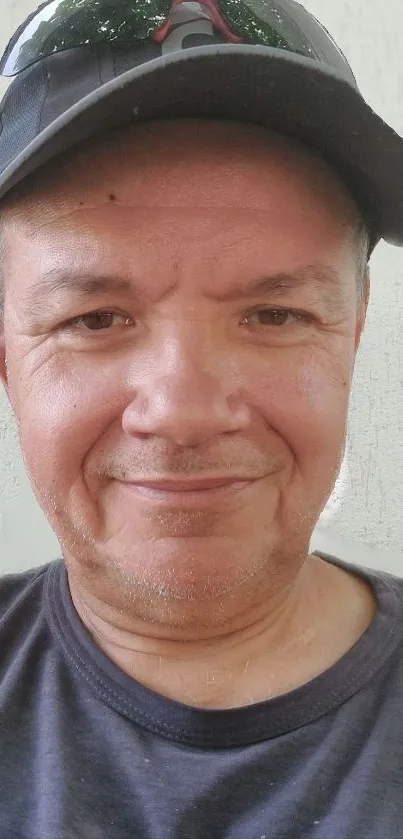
<point>273,317</point>
<point>99,321</point>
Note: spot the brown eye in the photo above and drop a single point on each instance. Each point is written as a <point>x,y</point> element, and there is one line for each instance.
<point>269,317</point>
<point>97,321</point>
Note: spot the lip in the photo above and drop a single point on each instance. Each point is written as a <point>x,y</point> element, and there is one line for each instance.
<point>189,492</point>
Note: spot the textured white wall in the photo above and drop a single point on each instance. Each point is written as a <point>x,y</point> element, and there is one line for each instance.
<point>367,506</point>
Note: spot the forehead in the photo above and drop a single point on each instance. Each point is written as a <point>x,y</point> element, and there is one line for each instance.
<point>157,196</point>
<point>212,206</point>
<point>188,163</point>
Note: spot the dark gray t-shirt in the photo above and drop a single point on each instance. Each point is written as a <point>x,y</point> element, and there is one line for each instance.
<point>86,752</point>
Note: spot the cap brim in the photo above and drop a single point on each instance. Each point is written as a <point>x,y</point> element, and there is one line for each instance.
<point>286,93</point>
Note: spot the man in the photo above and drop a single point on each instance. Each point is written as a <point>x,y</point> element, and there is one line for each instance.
<point>189,200</point>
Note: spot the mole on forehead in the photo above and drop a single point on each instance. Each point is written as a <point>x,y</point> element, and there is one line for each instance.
<point>221,216</point>
<point>37,211</point>
<point>51,199</point>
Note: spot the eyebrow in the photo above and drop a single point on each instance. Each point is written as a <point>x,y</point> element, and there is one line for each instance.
<point>319,278</point>
<point>38,299</point>
<point>86,285</point>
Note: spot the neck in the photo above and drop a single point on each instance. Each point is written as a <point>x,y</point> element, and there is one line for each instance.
<point>300,635</point>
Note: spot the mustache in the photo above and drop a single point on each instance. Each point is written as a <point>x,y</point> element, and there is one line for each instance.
<point>152,460</point>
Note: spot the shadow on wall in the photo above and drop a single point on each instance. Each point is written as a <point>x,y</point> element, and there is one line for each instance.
<point>26,538</point>
<point>328,539</point>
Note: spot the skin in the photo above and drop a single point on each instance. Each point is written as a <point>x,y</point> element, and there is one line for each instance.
<point>210,598</point>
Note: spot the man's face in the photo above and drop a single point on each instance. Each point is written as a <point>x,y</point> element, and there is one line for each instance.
<point>181,306</point>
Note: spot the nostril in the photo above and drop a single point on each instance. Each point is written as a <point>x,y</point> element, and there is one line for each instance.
<point>142,435</point>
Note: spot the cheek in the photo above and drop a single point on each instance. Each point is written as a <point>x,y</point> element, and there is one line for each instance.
<point>303,397</point>
<point>61,416</point>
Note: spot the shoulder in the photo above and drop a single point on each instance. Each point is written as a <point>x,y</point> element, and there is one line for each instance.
<point>19,590</point>
<point>24,635</point>
<point>358,565</point>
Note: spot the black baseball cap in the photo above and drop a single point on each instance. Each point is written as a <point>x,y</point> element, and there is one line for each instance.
<point>84,67</point>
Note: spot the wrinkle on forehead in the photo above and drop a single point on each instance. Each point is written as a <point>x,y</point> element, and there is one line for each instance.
<point>165,162</point>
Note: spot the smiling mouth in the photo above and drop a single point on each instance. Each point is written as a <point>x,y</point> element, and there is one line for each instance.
<point>191,484</point>
<point>188,492</point>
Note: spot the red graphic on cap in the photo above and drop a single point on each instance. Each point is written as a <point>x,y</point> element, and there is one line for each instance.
<point>216,18</point>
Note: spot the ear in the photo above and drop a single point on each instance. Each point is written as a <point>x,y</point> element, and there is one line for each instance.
<point>362,313</point>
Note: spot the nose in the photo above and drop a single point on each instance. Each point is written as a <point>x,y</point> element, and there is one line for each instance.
<point>188,397</point>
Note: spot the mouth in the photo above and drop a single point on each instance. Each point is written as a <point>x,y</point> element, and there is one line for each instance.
<point>190,492</point>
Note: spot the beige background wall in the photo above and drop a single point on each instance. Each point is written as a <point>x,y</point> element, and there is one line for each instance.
<point>367,506</point>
